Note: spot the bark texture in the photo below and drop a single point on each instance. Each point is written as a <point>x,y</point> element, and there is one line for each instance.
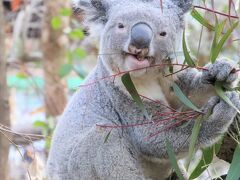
<point>4,104</point>
<point>54,44</point>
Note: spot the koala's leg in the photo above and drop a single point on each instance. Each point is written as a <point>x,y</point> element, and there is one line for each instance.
<point>94,159</point>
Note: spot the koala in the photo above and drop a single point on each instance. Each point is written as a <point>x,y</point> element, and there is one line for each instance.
<point>135,37</point>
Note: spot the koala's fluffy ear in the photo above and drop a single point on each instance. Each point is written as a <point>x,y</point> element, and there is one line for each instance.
<point>185,5</point>
<point>94,10</point>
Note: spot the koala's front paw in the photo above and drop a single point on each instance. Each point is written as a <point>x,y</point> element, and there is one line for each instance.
<point>222,113</point>
<point>223,71</point>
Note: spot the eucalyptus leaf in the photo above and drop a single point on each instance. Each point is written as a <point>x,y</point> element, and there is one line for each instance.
<point>79,53</point>
<point>196,129</point>
<point>181,96</point>
<point>170,69</point>
<point>193,140</point>
<point>234,171</point>
<point>218,32</point>
<point>21,75</point>
<point>220,92</point>
<point>173,160</point>
<point>56,23</point>
<point>201,20</point>
<point>40,124</point>
<point>187,56</point>
<point>127,81</point>
<point>219,45</point>
<point>207,157</point>
<point>66,12</point>
<point>107,136</point>
<point>65,69</point>
<point>76,34</point>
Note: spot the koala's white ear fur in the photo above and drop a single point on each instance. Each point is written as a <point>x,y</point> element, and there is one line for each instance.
<point>95,11</point>
<point>185,5</point>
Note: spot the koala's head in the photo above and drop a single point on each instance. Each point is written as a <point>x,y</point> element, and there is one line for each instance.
<point>136,33</point>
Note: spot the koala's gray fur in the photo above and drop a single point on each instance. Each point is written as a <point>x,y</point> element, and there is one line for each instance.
<point>78,149</point>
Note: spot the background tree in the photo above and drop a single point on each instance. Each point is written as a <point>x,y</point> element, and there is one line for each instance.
<point>4,106</point>
<point>54,44</point>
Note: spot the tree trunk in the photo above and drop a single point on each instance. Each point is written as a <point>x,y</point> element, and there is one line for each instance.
<point>4,105</point>
<point>55,44</point>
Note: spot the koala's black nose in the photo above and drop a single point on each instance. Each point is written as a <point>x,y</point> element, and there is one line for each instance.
<point>141,35</point>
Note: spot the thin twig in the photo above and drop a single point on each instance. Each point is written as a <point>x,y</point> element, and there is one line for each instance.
<point>16,146</point>
<point>216,12</point>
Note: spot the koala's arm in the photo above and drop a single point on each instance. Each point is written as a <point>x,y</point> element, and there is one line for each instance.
<point>199,85</point>
<point>94,159</point>
<point>212,128</point>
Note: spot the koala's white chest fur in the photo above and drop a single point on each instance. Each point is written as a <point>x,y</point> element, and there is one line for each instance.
<point>155,88</point>
<point>149,88</point>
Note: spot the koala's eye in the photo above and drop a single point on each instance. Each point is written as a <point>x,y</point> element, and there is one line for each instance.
<point>120,25</point>
<point>163,33</point>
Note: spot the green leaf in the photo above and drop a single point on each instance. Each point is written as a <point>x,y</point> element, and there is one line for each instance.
<point>79,53</point>
<point>21,75</point>
<point>178,92</point>
<point>127,81</point>
<point>219,46</point>
<point>175,54</point>
<point>234,171</point>
<point>201,20</point>
<point>56,23</point>
<point>40,124</point>
<point>51,123</point>
<point>173,160</point>
<point>80,71</point>
<point>107,136</point>
<point>205,161</point>
<point>170,69</point>
<point>220,92</point>
<point>66,12</point>
<point>194,137</point>
<point>48,141</point>
<point>76,34</point>
<point>218,32</point>
<point>193,140</point>
<point>65,69</point>
<point>187,56</point>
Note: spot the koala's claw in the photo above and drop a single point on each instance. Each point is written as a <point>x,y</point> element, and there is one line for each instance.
<point>221,70</point>
<point>210,104</point>
<point>222,111</point>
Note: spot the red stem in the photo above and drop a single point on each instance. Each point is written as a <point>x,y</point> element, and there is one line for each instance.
<point>172,125</point>
<point>177,72</point>
<point>141,124</point>
<point>159,122</point>
<point>156,65</point>
<point>169,113</point>
<point>217,12</point>
<point>158,102</point>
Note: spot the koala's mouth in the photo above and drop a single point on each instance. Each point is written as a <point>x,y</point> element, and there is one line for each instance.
<point>139,57</point>
<point>138,61</point>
